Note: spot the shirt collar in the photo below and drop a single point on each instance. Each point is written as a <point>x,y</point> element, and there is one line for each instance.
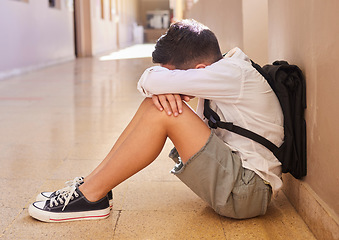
<point>237,53</point>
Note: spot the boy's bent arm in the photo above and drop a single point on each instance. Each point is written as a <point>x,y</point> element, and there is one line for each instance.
<point>219,80</point>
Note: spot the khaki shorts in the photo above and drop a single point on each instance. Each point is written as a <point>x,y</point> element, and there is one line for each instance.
<point>215,174</point>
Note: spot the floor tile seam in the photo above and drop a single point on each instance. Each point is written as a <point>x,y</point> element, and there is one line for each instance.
<point>12,222</point>
<point>116,222</point>
<point>122,210</point>
<point>222,226</point>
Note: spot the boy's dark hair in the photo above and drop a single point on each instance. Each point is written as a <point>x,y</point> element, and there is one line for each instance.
<point>185,44</point>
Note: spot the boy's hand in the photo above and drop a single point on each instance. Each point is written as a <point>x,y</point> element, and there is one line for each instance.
<point>171,103</point>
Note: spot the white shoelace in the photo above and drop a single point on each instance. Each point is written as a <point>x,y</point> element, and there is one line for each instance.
<point>64,197</point>
<point>75,182</point>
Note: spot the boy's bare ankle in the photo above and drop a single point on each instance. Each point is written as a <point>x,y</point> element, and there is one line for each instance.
<point>90,196</point>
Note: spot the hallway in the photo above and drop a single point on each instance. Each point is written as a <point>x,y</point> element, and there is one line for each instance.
<point>59,122</point>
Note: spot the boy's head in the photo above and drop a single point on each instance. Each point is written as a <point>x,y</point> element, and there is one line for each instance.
<point>186,44</point>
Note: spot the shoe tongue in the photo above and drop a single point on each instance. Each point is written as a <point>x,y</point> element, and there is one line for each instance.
<point>68,196</point>
<point>66,193</point>
<point>47,202</point>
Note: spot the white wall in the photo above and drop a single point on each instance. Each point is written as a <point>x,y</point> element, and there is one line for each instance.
<point>110,33</point>
<point>236,23</point>
<point>103,29</point>
<point>127,16</point>
<point>225,22</point>
<point>255,29</point>
<point>34,35</point>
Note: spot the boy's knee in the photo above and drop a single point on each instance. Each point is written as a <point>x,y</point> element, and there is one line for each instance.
<point>155,114</point>
<point>147,102</point>
<point>150,109</point>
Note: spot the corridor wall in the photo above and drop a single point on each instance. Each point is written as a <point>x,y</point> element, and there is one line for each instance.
<point>236,24</point>
<point>112,26</point>
<point>306,33</point>
<point>34,35</point>
<point>223,17</point>
<point>128,15</point>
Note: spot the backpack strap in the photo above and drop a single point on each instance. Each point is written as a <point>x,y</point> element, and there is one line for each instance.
<point>214,122</point>
<point>261,71</point>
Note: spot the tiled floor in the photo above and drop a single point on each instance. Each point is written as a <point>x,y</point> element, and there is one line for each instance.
<point>59,122</point>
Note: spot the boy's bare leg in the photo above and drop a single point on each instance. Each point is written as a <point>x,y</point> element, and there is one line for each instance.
<point>120,140</point>
<point>142,142</point>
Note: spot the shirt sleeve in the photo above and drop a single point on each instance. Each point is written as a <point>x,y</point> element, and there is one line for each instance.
<point>221,80</point>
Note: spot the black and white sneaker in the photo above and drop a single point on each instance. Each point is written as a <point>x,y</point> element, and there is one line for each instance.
<point>70,205</point>
<point>44,196</point>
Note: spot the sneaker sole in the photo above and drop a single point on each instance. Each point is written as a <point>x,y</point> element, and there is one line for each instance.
<point>45,216</point>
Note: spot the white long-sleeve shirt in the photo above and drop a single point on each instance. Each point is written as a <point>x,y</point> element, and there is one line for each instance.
<point>239,94</point>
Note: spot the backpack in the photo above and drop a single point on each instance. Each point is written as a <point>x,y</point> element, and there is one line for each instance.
<point>288,83</point>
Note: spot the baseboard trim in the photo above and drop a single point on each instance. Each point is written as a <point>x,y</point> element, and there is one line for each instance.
<point>320,219</point>
<point>17,71</point>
